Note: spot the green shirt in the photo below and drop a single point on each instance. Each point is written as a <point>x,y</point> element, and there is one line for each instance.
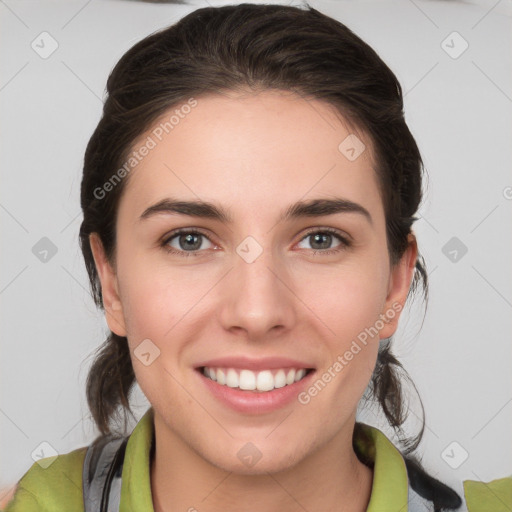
<point>58,488</point>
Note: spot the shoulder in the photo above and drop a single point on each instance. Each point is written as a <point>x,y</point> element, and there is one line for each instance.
<point>423,492</point>
<point>495,495</point>
<point>52,484</point>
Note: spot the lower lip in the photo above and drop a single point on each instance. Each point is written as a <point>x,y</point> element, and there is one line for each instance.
<point>252,402</point>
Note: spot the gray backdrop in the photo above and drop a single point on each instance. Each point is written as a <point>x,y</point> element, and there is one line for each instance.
<point>453,60</point>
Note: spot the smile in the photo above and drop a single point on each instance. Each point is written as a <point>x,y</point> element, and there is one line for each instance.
<point>261,381</point>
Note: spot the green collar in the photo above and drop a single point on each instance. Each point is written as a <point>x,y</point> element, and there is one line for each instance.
<point>389,488</point>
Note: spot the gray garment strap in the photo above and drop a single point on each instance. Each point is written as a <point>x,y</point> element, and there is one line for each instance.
<point>101,475</point>
<point>114,500</point>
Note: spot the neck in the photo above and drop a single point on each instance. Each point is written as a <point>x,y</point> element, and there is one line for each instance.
<point>331,479</point>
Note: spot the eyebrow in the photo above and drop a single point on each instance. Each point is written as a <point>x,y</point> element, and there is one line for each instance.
<point>311,208</point>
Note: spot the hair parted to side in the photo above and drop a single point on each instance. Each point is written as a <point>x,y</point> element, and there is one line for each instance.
<point>260,47</point>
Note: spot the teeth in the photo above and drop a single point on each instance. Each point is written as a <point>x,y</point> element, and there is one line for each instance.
<point>247,380</point>
<point>300,374</point>
<point>265,380</point>
<point>280,379</point>
<point>232,379</point>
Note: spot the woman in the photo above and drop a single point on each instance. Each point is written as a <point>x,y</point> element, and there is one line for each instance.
<point>248,197</point>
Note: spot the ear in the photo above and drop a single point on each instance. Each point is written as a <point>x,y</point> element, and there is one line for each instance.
<point>400,281</point>
<point>109,287</point>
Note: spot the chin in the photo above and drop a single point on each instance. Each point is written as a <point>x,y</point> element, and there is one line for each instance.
<point>249,460</point>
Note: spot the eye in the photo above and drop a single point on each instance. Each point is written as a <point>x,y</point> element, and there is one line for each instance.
<point>321,240</point>
<point>185,242</point>
<point>189,242</point>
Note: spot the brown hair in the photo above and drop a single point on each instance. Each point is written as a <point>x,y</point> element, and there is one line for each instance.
<point>261,47</point>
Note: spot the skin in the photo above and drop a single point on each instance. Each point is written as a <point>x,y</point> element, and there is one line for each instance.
<point>6,495</point>
<point>254,154</point>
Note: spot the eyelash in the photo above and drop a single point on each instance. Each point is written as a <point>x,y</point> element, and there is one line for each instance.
<point>345,242</point>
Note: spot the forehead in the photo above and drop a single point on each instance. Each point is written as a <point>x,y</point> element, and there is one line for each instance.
<point>255,151</point>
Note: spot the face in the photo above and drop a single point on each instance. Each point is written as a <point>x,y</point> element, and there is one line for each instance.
<point>258,294</point>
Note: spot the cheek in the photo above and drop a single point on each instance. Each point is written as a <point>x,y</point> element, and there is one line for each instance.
<point>347,305</point>
<point>156,302</point>
<point>156,298</point>
<point>347,300</point>
<point>146,309</point>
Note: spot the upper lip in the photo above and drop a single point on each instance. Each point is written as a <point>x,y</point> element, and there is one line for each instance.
<point>265,363</point>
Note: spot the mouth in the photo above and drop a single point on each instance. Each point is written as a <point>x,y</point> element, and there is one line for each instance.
<point>255,391</point>
<point>254,385</point>
<point>261,381</point>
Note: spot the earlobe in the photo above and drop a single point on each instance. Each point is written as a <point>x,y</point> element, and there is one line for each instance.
<point>109,289</point>
<point>399,284</point>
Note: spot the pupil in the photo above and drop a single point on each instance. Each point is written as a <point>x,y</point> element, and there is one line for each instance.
<point>317,236</point>
<point>189,237</point>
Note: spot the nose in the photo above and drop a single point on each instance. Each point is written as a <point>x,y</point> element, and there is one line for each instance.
<point>258,299</point>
